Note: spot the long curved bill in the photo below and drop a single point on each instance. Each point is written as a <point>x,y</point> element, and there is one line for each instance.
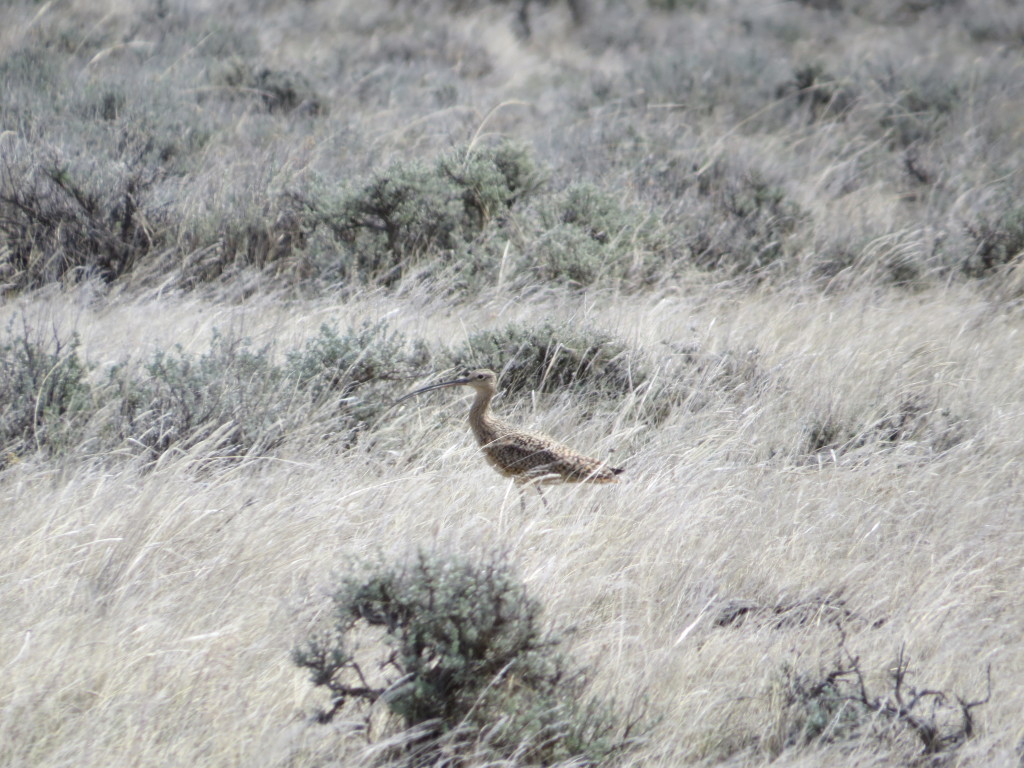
<point>432,387</point>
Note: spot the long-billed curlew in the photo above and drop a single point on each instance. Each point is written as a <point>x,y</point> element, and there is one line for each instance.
<point>526,457</point>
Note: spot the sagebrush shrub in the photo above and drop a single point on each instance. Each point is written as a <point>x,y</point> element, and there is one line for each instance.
<point>64,219</point>
<point>276,90</point>
<point>233,400</point>
<point>463,656</point>
<point>913,419</point>
<point>401,215</point>
<point>492,178</point>
<point>741,222</point>
<point>997,240</point>
<point>340,362</point>
<point>45,397</point>
<point>357,367</point>
<point>836,703</point>
<point>552,358</point>
<point>814,91</point>
<point>588,237</point>
<point>919,103</point>
<point>414,209</point>
<point>85,170</point>
<point>231,394</point>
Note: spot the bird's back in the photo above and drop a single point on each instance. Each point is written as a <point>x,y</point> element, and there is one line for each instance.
<point>528,456</point>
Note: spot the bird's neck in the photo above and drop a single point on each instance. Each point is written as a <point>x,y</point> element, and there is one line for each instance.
<point>480,418</point>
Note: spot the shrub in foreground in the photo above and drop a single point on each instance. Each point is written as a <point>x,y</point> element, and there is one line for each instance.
<point>838,704</point>
<point>459,657</point>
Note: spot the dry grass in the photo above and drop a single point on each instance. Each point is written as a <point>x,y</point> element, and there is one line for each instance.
<point>148,614</point>
<point>814,246</point>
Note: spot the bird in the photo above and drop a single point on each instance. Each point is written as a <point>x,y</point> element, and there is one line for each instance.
<point>526,457</point>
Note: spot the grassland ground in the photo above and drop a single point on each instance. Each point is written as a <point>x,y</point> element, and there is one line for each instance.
<point>148,612</point>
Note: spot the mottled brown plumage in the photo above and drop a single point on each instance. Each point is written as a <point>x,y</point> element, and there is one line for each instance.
<point>526,457</point>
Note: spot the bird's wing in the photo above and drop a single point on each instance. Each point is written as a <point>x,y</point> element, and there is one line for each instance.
<point>529,456</point>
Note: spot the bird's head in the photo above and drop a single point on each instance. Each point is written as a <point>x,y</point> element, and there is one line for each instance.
<point>480,379</point>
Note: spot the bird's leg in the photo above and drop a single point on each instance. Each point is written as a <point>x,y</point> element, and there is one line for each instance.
<point>541,494</point>
<point>522,495</point>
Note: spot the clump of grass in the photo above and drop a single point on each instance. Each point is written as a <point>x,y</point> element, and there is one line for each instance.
<point>460,658</point>
<point>788,612</point>
<point>260,228</point>
<point>910,419</point>
<point>45,396</point>
<point>701,376</point>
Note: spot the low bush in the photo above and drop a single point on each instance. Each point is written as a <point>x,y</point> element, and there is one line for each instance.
<point>836,704</point>
<point>741,221</point>
<point>357,368</point>
<point>339,362</point>
<point>231,397</point>
<point>919,103</point>
<point>275,90</point>
<point>910,419</point>
<point>412,210</point>
<point>587,237</point>
<point>552,358</point>
<point>237,398</point>
<point>71,218</point>
<point>45,397</point>
<point>233,400</point>
<point>460,658</point>
<point>998,241</point>
<point>816,92</point>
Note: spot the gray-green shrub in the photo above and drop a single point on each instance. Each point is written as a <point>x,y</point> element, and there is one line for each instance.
<point>461,654</point>
<point>587,237</point>
<point>553,358</point>
<point>413,209</point>
<point>232,395</point>
<point>45,397</point>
